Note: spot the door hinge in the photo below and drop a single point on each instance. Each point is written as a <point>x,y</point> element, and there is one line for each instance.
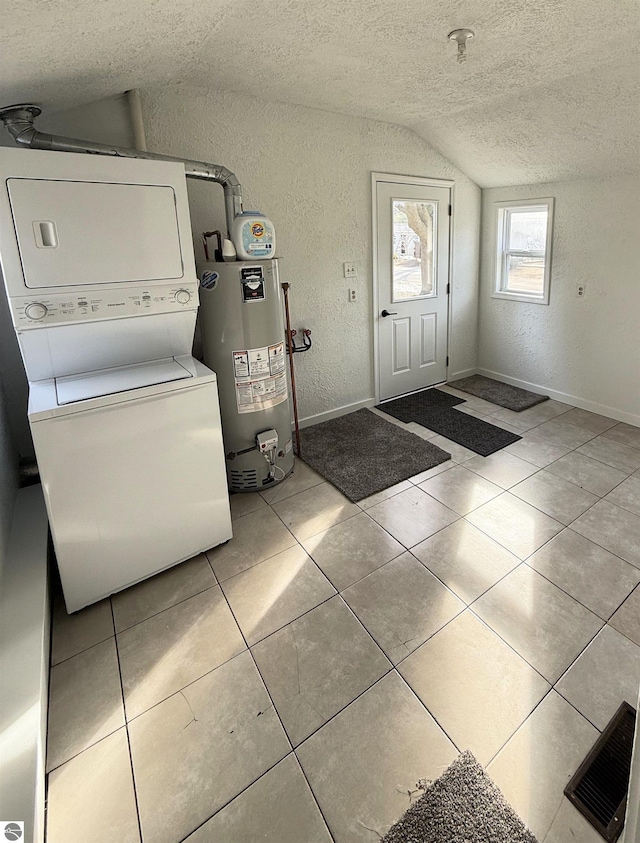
<point>447,360</point>
<point>449,210</point>
<point>448,289</point>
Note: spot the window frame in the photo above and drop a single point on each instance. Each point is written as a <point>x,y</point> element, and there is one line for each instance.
<point>503,211</point>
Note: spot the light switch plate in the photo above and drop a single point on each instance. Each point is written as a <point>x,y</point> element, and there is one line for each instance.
<point>350,269</point>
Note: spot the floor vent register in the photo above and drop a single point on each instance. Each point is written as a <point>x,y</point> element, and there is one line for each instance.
<point>599,787</point>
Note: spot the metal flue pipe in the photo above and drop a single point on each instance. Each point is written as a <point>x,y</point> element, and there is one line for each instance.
<point>19,120</point>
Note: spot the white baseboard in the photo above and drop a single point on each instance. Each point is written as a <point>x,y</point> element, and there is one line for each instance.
<point>566,398</point>
<point>465,373</point>
<point>563,397</point>
<point>339,411</point>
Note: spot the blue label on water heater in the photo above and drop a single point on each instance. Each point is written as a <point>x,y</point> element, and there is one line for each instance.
<point>209,279</point>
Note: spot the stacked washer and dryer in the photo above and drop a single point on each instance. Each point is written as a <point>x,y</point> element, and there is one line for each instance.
<point>98,265</point>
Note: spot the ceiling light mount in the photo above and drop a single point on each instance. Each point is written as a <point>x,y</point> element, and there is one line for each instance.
<point>461,36</point>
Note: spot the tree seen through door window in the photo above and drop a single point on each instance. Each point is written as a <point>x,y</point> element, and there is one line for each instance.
<point>414,226</point>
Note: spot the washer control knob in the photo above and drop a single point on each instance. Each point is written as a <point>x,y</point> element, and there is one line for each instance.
<point>35,311</point>
<point>183,297</point>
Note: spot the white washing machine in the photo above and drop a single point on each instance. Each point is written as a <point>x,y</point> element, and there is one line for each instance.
<point>98,264</point>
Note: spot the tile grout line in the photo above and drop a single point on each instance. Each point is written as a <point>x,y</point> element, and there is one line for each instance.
<point>167,608</point>
<point>463,517</point>
<point>431,715</point>
<point>582,651</point>
<point>568,593</point>
<point>126,725</point>
<point>637,588</point>
<point>520,725</point>
<point>286,734</point>
<point>564,526</point>
<point>247,649</point>
<point>80,652</point>
<point>502,638</point>
<point>391,671</point>
<point>488,588</point>
<point>604,622</point>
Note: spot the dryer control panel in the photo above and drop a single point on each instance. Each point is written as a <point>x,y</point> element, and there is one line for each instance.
<point>92,304</point>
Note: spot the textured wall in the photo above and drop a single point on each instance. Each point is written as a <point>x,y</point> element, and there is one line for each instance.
<point>588,349</point>
<point>309,171</point>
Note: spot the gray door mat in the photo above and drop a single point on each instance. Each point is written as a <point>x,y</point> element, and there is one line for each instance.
<point>405,407</point>
<point>362,454</point>
<point>496,392</point>
<point>463,805</point>
<point>475,434</point>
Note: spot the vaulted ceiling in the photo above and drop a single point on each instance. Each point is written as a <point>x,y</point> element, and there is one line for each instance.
<point>551,88</point>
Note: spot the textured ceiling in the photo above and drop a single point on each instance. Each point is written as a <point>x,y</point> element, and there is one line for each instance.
<point>550,89</point>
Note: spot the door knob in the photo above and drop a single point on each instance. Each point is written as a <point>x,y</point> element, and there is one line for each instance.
<point>386,313</point>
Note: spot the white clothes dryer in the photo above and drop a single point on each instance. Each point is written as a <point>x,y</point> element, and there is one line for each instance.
<point>98,265</point>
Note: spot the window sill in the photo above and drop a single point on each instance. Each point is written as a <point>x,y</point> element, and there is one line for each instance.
<point>520,297</point>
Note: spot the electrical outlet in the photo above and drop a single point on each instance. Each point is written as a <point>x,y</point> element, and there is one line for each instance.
<point>581,290</point>
<point>352,295</point>
<point>350,269</point>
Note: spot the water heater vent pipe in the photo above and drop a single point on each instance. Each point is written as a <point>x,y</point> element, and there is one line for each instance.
<point>19,122</point>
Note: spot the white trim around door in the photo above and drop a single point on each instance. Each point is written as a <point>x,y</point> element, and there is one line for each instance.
<point>408,182</point>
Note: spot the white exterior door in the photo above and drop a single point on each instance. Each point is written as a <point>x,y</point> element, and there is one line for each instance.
<point>412,272</point>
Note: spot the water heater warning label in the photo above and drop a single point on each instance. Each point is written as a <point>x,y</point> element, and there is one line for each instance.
<point>276,358</point>
<point>260,378</point>
<point>241,364</point>
<point>258,362</point>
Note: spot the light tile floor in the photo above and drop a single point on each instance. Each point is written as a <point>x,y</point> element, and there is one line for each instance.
<point>294,685</point>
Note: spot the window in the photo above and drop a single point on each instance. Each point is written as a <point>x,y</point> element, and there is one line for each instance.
<point>523,257</point>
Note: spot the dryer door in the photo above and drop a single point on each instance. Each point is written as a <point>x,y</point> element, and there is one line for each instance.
<point>73,233</point>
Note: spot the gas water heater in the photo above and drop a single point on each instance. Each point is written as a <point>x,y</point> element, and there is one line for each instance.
<point>243,339</point>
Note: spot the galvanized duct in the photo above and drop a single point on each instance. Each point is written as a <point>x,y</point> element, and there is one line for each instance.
<point>19,120</point>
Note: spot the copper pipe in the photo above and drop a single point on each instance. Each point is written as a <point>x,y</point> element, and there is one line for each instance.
<point>285,287</point>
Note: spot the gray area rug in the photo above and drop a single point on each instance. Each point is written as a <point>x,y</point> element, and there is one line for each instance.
<point>406,407</point>
<point>362,454</point>
<point>496,392</point>
<point>462,806</point>
<point>472,433</point>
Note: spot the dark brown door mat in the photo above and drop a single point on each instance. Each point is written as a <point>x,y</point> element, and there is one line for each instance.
<point>361,453</point>
<point>463,806</point>
<point>599,787</point>
<point>475,434</point>
<point>405,407</point>
<point>496,392</point>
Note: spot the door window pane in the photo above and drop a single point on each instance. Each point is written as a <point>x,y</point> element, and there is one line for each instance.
<point>414,236</point>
